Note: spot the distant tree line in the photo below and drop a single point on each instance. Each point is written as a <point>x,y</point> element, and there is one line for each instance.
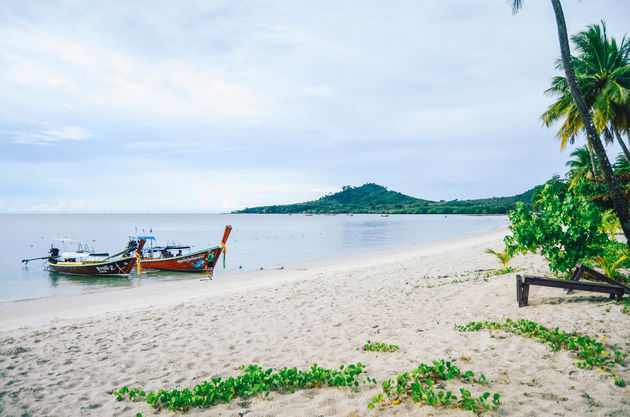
<point>373,198</point>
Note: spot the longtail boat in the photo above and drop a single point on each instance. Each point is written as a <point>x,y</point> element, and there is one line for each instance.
<point>85,262</point>
<point>181,258</point>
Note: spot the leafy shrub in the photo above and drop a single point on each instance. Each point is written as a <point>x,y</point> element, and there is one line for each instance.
<point>610,224</point>
<point>557,186</point>
<point>564,232</point>
<point>612,250</point>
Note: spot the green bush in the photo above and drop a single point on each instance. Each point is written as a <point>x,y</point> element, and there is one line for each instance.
<point>564,231</point>
<point>558,187</point>
<point>611,250</point>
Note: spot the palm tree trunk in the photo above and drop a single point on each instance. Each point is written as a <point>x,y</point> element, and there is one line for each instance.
<point>621,207</point>
<point>624,148</point>
<point>593,163</point>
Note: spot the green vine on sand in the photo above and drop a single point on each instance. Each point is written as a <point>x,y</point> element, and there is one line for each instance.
<point>626,306</point>
<point>497,272</point>
<point>379,347</point>
<point>418,385</point>
<point>589,352</point>
<point>254,381</point>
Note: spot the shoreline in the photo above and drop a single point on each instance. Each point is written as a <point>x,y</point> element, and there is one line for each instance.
<point>320,240</point>
<point>68,358</point>
<point>33,312</point>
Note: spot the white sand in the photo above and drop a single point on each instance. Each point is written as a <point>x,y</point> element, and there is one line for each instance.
<point>64,357</point>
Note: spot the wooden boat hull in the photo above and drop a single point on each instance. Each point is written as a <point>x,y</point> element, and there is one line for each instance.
<point>121,267</point>
<point>200,261</point>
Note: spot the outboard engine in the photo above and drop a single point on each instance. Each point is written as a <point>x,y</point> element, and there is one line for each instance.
<point>132,245</point>
<point>53,254</point>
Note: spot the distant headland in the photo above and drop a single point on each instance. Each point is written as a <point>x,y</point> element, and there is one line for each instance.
<point>374,198</point>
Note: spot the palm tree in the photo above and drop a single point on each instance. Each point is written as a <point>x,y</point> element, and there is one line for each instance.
<point>604,65</point>
<point>621,207</point>
<point>504,257</point>
<point>564,108</point>
<point>610,266</point>
<point>621,164</point>
<point>580,166</point>
<point>610,224</point>
<point>603,76</point>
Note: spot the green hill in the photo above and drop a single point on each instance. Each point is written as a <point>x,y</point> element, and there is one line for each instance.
<point>373,198</point>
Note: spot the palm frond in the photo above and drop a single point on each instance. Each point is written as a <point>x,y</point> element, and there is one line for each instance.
<point>504,257</point>
<point>602,69</point>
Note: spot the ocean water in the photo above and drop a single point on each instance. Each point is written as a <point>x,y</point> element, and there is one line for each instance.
<point>257,241</point>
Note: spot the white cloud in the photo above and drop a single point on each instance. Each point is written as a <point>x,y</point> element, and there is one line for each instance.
<point>233,104</point>
<point>143,186</point>
<point>76,73</point>
<point>51,136</point>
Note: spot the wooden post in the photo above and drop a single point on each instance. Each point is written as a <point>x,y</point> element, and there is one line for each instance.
<point>519,290</point>
<point>525,292</point>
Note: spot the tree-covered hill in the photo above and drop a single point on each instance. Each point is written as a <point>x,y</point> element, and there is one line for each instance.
<point>373,198</point>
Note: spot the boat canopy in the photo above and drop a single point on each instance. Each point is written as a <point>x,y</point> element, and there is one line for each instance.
<point>158,248</point>
<point>163,248</point>
<point>65,240</point>
<point>74,245</point>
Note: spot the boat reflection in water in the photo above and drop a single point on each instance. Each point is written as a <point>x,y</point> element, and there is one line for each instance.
<point>90,281</point>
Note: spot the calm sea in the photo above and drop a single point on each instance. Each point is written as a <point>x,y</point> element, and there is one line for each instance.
<point>257,241</point>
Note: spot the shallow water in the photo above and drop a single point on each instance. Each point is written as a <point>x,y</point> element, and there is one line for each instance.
<point>257,241</point>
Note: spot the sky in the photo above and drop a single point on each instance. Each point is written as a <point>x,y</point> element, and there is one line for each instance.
<point>214,106</point>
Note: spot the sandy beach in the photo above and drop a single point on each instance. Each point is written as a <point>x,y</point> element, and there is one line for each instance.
<point>65,356</point>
